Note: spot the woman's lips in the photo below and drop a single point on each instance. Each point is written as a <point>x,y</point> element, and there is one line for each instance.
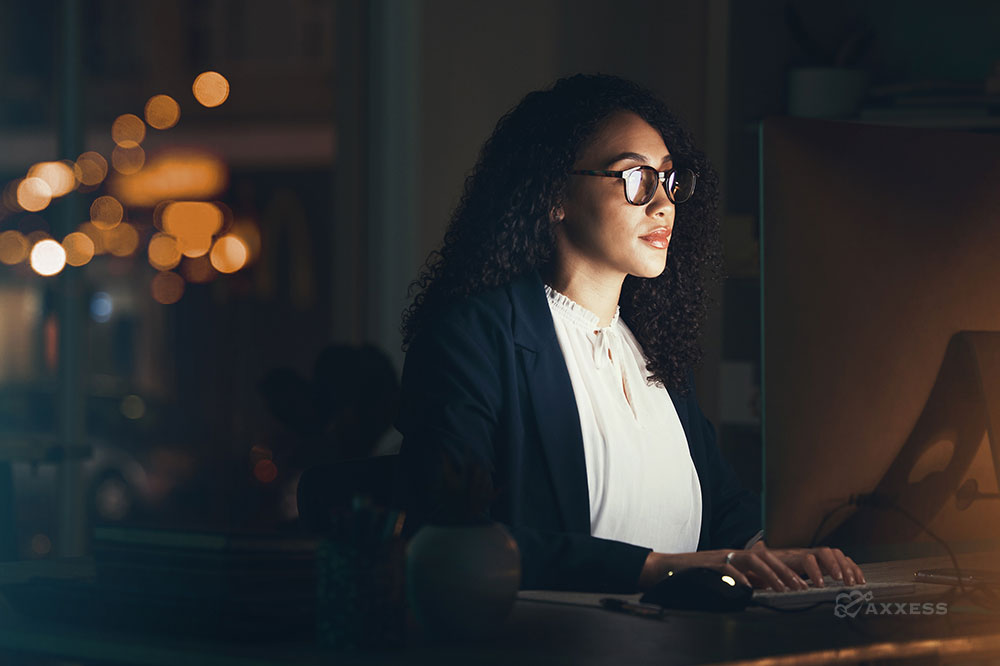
<point>658,239</point>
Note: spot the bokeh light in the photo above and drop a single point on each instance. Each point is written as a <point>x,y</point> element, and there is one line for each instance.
<point>101,307</point>
<point>192,223</point>
<point>106,212</point>
<point>13,247</point>
<point>163,252</point>
<point>48,257</point>
<point>167,287</point>
<point>177,174</point>
<point>229,254</point>
<point>210,89</point>
<point>265,471</point>
<point>95,235</point>
<point>128,159</point>
<point>93,168</point>
<point>33,194</point>
<point>79,248</point>
<point>133,407</point>
<point>41,544</point>
<point>122,240</point>
<point>58,175</point>
<point>128,130</point>
<point>162,112</point>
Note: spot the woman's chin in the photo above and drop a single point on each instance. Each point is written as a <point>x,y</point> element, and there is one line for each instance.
<point>651,271</point>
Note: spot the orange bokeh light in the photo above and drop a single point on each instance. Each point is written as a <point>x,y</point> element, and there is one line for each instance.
<point>79,248</point>
<point>106,212</point>
<point>265,471</point>
<point>93,168</point>
<point>179,174</point>
<point>163,252</point>
<point>95,235</point>
<point>58,175</point>
<point>13,247</point>
<point>210,89</point>
<point>128,130</point>
<point>128,160</point>
<point>162,112</point>
<point>33,194</point>
<point>122,240</point>
<point>167,287</point>
<point>229,254</point>
<point>192,223</point>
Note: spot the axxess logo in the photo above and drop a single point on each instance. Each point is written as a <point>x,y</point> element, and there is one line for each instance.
<point>849,604</point>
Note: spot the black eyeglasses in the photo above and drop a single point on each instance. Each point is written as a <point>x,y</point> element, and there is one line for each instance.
<point>641,183</point>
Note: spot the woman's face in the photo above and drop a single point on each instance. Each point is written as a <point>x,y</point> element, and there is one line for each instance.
<point>600,230</point>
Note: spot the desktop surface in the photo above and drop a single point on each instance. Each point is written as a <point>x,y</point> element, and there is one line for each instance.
<point>565,627</point>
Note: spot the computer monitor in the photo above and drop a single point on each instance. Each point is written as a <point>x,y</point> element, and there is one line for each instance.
<point>880,351</point>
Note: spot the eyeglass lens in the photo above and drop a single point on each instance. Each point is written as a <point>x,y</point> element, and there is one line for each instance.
<point>641,184</point>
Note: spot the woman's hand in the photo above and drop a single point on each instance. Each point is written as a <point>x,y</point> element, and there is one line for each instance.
<point>814,562</point>
<point>759,567</point>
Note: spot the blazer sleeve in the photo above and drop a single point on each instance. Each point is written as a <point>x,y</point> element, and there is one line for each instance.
<point>736,512</point>
<point>450,413</point>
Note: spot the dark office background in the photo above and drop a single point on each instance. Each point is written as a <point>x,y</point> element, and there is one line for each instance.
<point>195,392</point>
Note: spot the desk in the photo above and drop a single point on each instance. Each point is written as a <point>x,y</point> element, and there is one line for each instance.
<point>571,628</point>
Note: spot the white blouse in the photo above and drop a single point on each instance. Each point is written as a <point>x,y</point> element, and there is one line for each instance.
<point>643,485</point>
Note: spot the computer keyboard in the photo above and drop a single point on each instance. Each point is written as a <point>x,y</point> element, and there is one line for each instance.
<point>832,587</point>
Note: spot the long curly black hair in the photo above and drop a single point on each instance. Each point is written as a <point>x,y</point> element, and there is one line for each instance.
<point>502,226</point>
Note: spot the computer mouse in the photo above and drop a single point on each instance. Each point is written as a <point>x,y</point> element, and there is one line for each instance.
<point>699,588</point>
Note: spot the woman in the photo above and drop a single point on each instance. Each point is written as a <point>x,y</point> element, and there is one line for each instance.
<point>550,347</point>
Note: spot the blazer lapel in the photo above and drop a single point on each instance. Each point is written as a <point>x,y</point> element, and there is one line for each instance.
<point>552,400</point>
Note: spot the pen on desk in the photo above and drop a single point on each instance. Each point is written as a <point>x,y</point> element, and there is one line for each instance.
<point>632,609</point>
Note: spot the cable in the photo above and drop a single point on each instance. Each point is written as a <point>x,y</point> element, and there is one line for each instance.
<point>880,501</point>
<point>829,514</point>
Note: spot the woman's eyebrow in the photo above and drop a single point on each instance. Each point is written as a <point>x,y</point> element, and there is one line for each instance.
<point>636,157</point>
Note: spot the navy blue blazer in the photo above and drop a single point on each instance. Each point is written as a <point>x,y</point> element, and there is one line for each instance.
<point>486,387</point>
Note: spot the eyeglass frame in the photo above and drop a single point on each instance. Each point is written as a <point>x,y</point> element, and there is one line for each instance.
<point>661,175</point>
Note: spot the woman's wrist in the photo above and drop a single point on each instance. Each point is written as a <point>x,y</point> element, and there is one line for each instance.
<point>656,567</point>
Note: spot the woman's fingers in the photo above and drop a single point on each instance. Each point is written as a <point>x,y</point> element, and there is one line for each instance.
<point>787,575</point>
<point>840,566</point>
<point>766,568</point>
<point>737,575</point>
<point>828,560</point>
<point>811,566</point>
<point>753,562</point>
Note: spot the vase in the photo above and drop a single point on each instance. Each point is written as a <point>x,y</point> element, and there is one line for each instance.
<point>461,580</point>
<point>826,92</point>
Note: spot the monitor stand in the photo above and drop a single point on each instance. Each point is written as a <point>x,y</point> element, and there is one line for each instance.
<point>963,404</point>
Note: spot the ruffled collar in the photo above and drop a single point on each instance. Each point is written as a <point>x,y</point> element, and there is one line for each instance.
<point>603,338</point>
<point>577,313</point>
